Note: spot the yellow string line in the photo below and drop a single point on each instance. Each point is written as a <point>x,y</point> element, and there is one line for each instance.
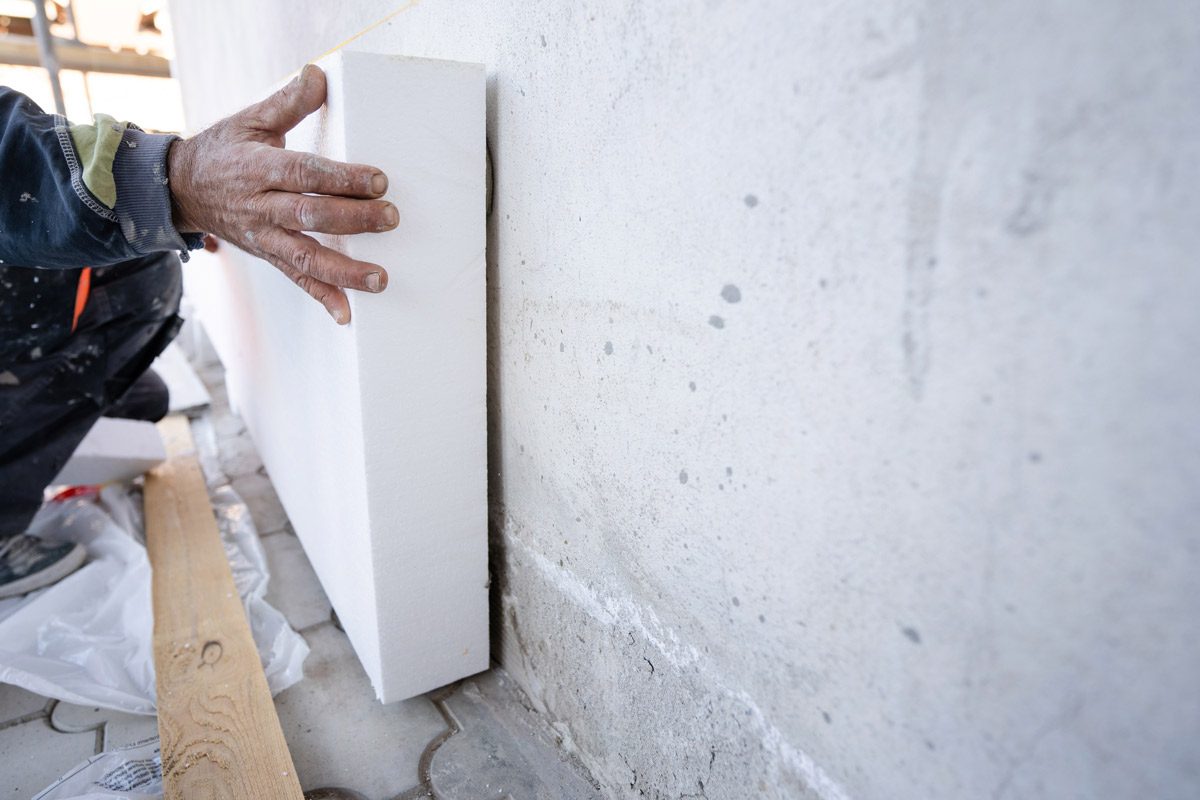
<point>384,20</point>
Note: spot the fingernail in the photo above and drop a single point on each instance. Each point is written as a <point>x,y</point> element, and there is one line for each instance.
<point>379,183</point>
<point>338,315</point>
<point>375,281</point>
<point>391,217</point>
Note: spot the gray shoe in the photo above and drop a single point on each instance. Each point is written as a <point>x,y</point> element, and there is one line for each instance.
<point>28,563</point>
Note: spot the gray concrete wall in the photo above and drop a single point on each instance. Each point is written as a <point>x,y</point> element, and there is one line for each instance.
<point>844,389</point>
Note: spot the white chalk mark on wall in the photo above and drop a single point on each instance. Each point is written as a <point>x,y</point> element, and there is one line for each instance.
<point>624,614</point>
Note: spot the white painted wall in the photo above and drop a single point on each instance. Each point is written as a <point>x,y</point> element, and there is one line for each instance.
<point>917,515</point>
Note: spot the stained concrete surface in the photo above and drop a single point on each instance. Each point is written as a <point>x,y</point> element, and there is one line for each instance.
<point>476,740</point>
<point>956,395</point>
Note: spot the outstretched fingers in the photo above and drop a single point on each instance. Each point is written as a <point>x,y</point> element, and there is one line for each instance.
<point>338,215</point>
<point>235,180</point>
<point>292,171</point>
<point>334,299</point>
<point>317,269</point>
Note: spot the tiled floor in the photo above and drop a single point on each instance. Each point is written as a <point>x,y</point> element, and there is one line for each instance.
<point>475,740</point>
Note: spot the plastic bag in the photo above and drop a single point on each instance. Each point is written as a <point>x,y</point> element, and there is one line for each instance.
<point>133,772</point>
<point>88,638</point>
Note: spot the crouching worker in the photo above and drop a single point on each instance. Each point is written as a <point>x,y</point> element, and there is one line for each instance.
<point>93,221</point>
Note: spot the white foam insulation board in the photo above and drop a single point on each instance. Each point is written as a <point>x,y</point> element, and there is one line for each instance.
<point>374,434</point>
<point>184,386</point>
<point>113,450</point>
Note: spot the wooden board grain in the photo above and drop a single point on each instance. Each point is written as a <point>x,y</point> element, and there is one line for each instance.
<point>220,736</point>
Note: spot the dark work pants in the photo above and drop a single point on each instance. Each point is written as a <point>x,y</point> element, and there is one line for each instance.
<point>55,383</point>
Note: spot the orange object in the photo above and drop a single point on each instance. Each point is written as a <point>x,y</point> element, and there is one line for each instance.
<point>81,295</point>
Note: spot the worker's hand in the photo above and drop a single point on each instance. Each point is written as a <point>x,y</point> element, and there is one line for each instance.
<point>236,181</point>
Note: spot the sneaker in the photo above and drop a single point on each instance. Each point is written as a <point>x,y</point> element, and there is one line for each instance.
<point>28,563</point>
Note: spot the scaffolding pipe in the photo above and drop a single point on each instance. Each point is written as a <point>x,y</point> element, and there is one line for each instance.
<point>41,29</point>
<point>23,51</point>
<point>87,88</point>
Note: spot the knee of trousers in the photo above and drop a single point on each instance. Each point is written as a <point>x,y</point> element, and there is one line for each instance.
<point>143,291</point>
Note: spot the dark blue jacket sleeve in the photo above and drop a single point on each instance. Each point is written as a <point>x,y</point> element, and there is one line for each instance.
<point>48,215</point>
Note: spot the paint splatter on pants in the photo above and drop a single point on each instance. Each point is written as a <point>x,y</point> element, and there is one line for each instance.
<point>55,383</point>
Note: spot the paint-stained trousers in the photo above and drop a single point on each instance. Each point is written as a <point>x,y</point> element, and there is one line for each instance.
<point>54,382</point>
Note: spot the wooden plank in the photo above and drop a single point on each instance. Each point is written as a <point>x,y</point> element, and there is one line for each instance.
<point>220,736</point>
<point>375,434</point>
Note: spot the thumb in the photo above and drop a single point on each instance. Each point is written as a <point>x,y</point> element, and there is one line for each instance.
<point>283,110</point>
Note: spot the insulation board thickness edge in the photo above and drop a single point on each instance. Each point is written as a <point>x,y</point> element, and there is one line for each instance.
<point>375,434</point>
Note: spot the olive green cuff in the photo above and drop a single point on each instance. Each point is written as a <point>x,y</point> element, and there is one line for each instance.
<point>97,146</point>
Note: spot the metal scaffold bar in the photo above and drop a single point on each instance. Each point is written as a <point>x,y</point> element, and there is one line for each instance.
<point>45,45</point>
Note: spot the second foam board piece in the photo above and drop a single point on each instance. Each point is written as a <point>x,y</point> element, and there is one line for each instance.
<point>187,392</point>
<point>375,434</point>
<point>113,450</point>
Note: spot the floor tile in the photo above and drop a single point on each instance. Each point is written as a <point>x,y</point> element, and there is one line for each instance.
<point>257,492</point>
<point>114,728</point>
<point>229,425</point>
<point>502,749</point>
<point>218,398</point>
<point>34,755</point>
<point>238,455</point>
<point>340,735</point>
<point>294,588</point>
<point>16,703</point>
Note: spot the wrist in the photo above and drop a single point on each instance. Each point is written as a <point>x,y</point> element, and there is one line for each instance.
<point>178,166</point>
<point>143,197</point>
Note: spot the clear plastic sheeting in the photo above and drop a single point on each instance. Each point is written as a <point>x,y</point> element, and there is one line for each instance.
<point>128,773</point>
<point>88,638</point>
